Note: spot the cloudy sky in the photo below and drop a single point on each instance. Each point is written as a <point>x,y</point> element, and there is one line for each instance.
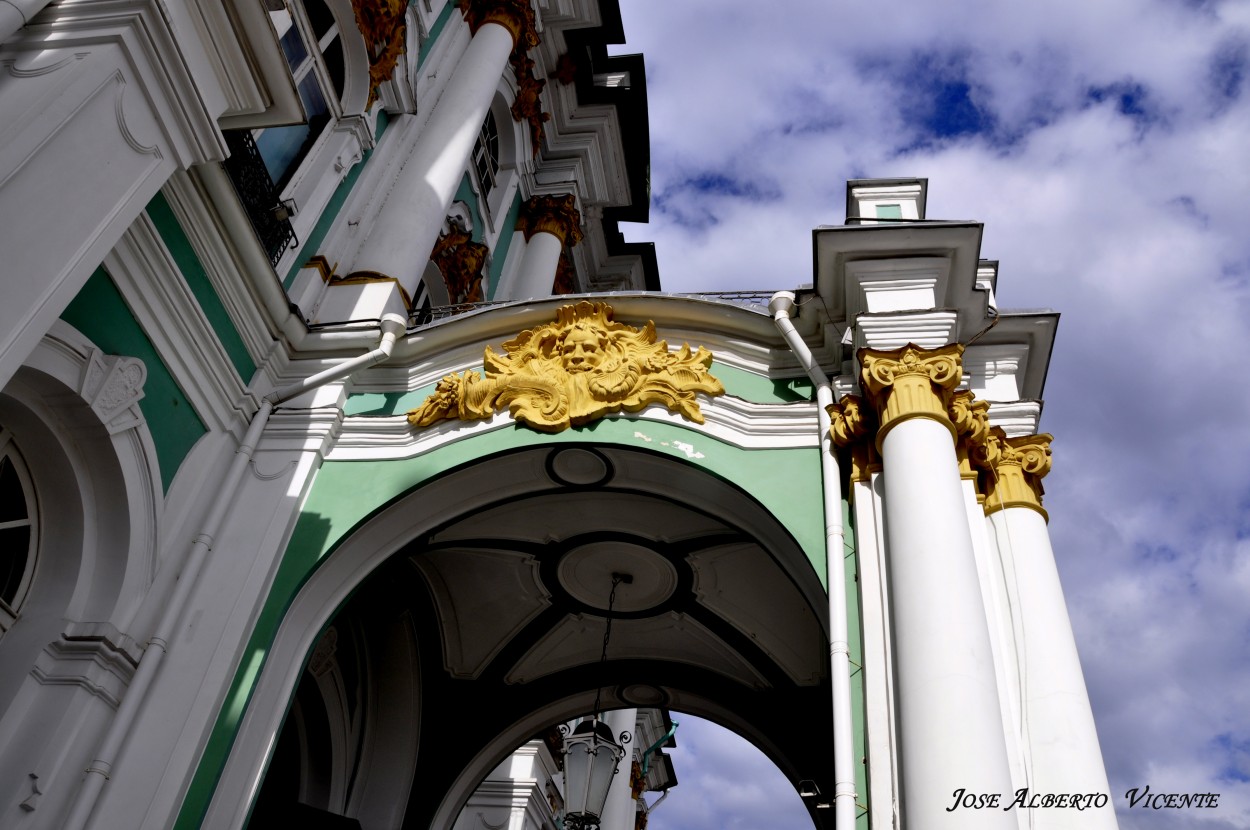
<point>1106,146</point>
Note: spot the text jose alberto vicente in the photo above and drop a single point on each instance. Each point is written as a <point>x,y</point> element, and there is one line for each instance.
<point>1025,800</point>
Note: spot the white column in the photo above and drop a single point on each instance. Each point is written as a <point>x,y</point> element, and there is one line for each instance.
<point>537,273</point>
<point>950,726</point>
<point>407,226</point>
<point>1060,738</point>
<point>548,222</point>
<point>618,812</point>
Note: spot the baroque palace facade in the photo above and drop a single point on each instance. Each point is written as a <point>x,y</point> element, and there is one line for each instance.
<point>318,498</point>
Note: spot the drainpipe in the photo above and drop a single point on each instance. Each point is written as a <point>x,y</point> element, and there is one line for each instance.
<point>782,306</point>
<point>97,772</point>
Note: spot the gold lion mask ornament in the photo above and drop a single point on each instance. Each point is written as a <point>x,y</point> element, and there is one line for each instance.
<point>581,367</point>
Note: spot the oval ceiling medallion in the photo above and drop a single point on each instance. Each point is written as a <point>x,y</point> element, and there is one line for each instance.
<point>578,467</point>
<point>586,573</point>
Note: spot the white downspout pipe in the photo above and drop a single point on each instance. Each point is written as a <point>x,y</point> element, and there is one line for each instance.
<point>782,306</point>
<point>97,772</point>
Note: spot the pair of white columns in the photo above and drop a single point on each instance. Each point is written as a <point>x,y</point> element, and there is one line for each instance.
<point>952,742</point>
<point>407,226</point>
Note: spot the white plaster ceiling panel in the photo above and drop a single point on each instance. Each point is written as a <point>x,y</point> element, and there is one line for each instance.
<point>738,581</point>
<point>567,514</point>
<point>485,598</point>
<point>671,637</point>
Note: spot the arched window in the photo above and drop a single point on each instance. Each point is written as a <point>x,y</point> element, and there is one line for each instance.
<point>309,34</point>
<point>486,155</point>
<point>19,527</point>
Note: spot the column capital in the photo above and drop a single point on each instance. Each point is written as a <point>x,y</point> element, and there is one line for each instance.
<point>517,16</point>
<point>971,419</point>
<point>1015,468</point>
<point>911,382</point>
<point>556,215</point>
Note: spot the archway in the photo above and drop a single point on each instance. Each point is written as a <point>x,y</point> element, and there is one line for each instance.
<point>468,616</point>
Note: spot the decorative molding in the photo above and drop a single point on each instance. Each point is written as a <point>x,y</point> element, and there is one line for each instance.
<point>911,382</point>
<point>556,215</point>
<point>382,24</point>
<point>517,16</point>
<point>461,262</point>
<point>91,664</point>
<point>1014,469</point>
<point>853,426</point>
<point>113,386</point>
<point>971,420</point>
<point>528,105</point>
<point>580,367</point>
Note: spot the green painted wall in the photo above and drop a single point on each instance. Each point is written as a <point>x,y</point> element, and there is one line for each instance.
<point>500,253</point>
<point>346,493</point>
<point>193,273</point>
<point>331,212</point>
<point>100,313</point>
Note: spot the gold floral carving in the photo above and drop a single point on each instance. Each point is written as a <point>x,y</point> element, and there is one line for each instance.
<point>381,23</point>
<point>517,16</point>
<point>528,105</point>
<point>1014,468</point>
<point>911,382</point>
<point>852,425</point>
<point>460,260</point>
<point>556,215</point>
<point>580,367</point>
<point>971,419</point>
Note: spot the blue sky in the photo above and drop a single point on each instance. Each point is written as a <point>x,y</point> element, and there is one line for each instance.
<point>1106,146</point>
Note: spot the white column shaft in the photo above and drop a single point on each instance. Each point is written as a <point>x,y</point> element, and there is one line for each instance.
<point>618,813</point>
<point>408,224</point>
<point>950,728</point>
<point>537,273</point>
<point>1058,724</point>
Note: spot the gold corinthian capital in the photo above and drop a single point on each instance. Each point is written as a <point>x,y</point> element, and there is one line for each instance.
<point>556,215</point>
<point>1014,470</point>
<point>517,16</point>
<point>911,382</point>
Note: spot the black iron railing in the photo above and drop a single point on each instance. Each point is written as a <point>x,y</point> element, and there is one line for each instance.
<point>269,217</point>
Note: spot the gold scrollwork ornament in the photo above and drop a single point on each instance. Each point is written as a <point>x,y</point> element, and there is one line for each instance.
<point>579,368</point>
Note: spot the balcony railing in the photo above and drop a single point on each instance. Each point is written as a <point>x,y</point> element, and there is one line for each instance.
<point>269,217</point>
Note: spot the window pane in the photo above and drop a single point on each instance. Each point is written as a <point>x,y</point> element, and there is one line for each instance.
<point>14,550</point>
<point>293,48</point>
<point>320,16</point>
<point>333,55</point>
<point>889,211</point>
<point>12,496</point>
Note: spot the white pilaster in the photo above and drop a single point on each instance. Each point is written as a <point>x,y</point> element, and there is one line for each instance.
<point>618,812</point>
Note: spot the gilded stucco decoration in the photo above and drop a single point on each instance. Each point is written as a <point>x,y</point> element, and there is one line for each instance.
<point>911,382</point>
<point>580,367</point>
<point>528,105</point>
<point>460,260</point>
<point>971,419</point>
<point>852,427</point>
<point>556,215</point>
<point>1014,468</point>
<point>381,23</point>
<point>517,16</point>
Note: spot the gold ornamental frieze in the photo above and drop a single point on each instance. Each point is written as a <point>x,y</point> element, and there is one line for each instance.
<point>911,382</point>
<point>971,419</point>
<point>579,368</point>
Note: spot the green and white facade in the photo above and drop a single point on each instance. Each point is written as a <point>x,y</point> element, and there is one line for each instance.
<point>241,240</point>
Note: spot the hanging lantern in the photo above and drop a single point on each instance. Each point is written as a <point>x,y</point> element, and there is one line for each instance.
<point>591,758</point>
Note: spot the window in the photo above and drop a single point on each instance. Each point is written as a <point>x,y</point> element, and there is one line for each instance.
<point>889,211</point>
<point>18,530</point>
<point>486,155</point>
<point>309,34</point>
